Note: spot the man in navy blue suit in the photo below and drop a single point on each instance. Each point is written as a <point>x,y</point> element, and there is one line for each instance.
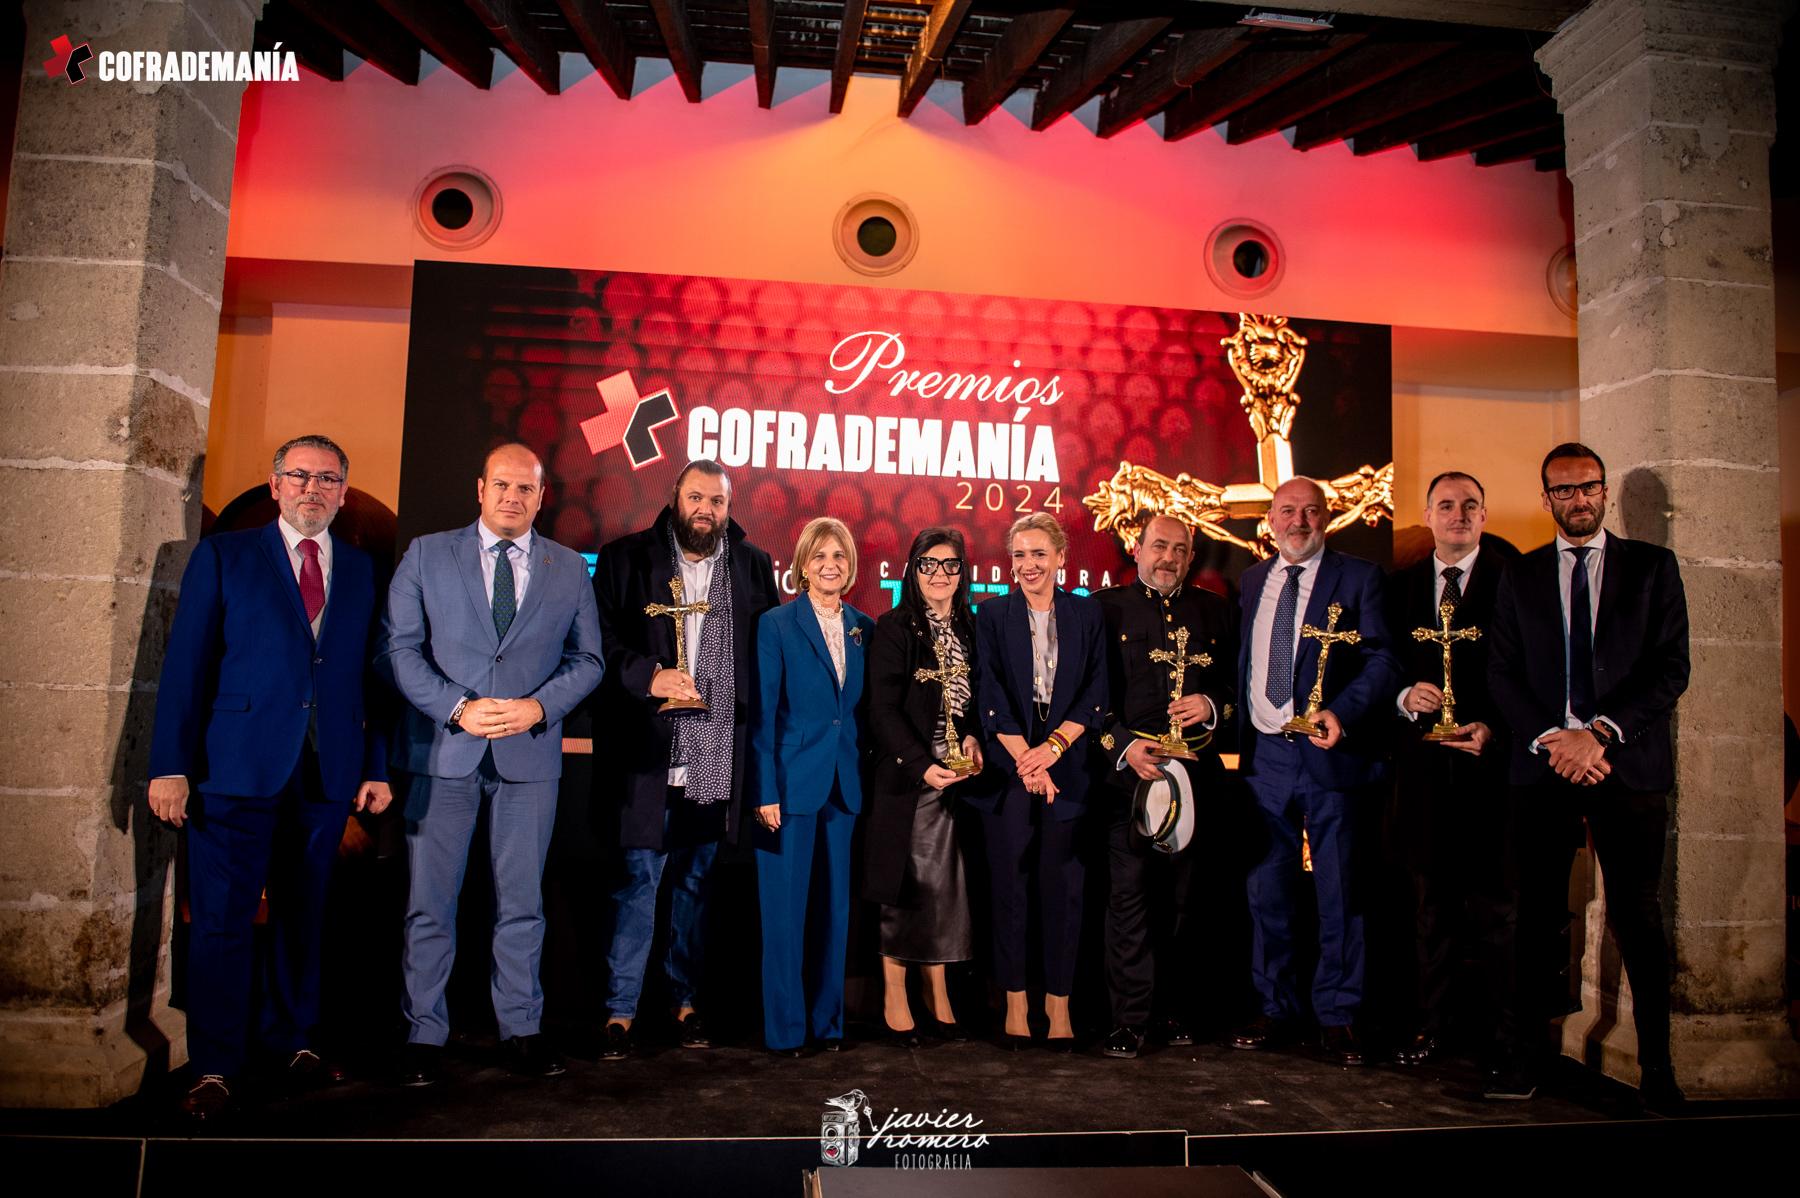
<point>260,749</point>
<point>1309,785</point>
<point>493,637</point>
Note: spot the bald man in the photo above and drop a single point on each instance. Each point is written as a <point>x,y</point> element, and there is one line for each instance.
<point>493,637</point>
<point>1310,784</point>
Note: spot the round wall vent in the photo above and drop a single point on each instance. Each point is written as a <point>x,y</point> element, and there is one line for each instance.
<point>1244,258</point>
<point>875,234</point>
<point>457,207</point>
<point>1560,278</point>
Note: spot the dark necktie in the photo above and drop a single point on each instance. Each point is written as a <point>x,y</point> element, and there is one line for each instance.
<point>1452,589</point>
<point>1279,686</point>
<point>505,605</point>
<point>312,579</point>
<point>1581,638</point>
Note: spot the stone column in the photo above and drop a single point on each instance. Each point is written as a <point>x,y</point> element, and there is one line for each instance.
<point>109,316</point>
<point>1669,112</point>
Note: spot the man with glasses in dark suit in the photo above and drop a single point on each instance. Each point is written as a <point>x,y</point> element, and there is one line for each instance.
<point>1589,655</point>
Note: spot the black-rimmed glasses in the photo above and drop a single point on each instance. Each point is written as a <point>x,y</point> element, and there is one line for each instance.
<point>951,566</point>
<point>300,478</point>
<point>1566,491</point>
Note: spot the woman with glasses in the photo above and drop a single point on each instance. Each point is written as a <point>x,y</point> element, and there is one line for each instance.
<point>809,657</point>
<point>921,682</point>
<point>1042,687</point>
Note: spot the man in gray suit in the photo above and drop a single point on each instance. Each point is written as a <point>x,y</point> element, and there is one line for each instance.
<point>492,636</point>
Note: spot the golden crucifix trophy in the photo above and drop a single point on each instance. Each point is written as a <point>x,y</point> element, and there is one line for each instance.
<point>1327,637</point>
<point>1173,743</point>
<point>679,611</point>
<point>1445,728</point>
<point>955,760</point>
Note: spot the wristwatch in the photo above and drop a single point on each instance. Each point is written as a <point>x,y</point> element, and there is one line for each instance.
<point>456,712</point>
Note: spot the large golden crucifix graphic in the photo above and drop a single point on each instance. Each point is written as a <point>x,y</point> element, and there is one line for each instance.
<point>1266,355</point>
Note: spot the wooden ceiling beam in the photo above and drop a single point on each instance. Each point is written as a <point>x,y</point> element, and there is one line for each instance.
<point>1448,75</point>
<point>521,40</point>
<point>1489,131</point>
<point>678,41</point>
<point>603,42</point>
<point>927,59</point>
<point>1111,47</point>
<point>449,35</point>
<point>1252,75</point>
<point>370,34</point>
<point>849,38</point>
<point>762,50</point>
<point>1337,80</point>
<point>1196,54</point>
<point>1026,38</point>
<point>1531,145</point>
<point>1552,162</point>
<point>1502,95</point>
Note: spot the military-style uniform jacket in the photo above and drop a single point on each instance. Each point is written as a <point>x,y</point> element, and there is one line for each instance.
<point>1140,619</point>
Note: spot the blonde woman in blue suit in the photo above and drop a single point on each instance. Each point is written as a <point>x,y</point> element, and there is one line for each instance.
<point>807,738</point>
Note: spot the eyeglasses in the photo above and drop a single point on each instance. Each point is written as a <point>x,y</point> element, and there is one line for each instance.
<point>951,566</point>
<point>1565,491</point>
<point>300,478</point>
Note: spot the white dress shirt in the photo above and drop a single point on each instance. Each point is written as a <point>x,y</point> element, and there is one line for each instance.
<point>519,555</point>
<point>292,537</point>
<point>696,584</point>
<point>1467,566</point>
<point>1264,715</point>
<point>1565,581</point>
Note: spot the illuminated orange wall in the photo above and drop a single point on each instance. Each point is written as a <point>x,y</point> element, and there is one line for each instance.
<point>326,174</point>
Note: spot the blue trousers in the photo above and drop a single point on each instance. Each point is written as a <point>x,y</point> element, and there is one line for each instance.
<point>441,814</point>
<point>236,848</point>
<point>634,922</point>
<point>1288,801</point>
<point>803,880</point>
<point>1024,838</point>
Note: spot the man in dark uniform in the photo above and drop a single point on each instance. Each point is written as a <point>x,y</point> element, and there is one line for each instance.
<point>1450,795</point>
<point>1146,915</point>
<point>675,783</point>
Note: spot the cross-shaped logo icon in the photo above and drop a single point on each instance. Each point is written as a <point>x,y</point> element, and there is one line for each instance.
<point>68,59</point>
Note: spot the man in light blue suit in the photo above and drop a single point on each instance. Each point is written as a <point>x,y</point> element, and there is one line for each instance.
<point>492,636</point>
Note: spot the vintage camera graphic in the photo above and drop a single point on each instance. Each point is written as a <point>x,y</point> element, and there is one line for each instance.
<point>840,1128</point>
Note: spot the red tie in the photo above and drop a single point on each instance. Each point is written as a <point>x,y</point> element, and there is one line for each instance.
<point>312,580</point>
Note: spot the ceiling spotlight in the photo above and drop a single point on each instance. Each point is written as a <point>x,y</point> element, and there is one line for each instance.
<point>1264,19</point>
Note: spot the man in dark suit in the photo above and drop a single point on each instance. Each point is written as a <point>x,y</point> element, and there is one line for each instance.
<point>1149,955</point>
<point>492,638</point>
<point>1309,784</point>
<point>1589,655</point>
<point>676,783</point>
<point>1448,792</point>
<point>260,748</point>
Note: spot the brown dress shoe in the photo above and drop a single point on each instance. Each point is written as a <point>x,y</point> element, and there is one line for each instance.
<point>1340,1046</point>
<point>1262,1032</point>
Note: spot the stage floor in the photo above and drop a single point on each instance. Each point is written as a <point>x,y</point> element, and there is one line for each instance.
<point>739,1121</point>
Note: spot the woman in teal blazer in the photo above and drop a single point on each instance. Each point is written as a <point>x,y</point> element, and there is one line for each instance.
<point>806,738</point>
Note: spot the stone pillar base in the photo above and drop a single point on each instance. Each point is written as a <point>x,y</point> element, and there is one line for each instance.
<point>1735,1056</point>
<point>79,1059</point>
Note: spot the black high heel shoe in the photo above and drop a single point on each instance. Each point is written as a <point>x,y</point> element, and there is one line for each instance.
<point>910,1038</point>
<point>951,1032</point>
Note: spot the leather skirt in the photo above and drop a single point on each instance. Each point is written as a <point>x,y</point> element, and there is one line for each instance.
<point>930,924</point>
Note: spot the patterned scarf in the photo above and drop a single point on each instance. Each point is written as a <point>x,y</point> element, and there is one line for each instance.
<point>702,740</point>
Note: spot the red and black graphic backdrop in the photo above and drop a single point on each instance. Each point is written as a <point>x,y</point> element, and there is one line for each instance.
<point>770,378</point>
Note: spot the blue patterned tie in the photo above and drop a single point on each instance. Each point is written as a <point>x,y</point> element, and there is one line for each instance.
<point>1581,638</point>
<point>1280,684</point>
<point>506,606</point>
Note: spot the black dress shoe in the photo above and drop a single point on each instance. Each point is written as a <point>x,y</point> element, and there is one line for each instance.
<point>1418,1050</point>
<point>1340,1046</point>
<point>910,1038</point>
<point>692,1033</point>
<point>1124,1043</point>
<point>1171,1031</point>
<point>1659,1093</point>
<point>532,1056</point>
<point>307,1070</point>
<point>421,1065</point>
<point>618,1042</point>
<point>835,1044</point>
<point>788,1054</point>
<point>1509,1081</point>
<point>209,1101</point>
<point>1264,1031</point>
